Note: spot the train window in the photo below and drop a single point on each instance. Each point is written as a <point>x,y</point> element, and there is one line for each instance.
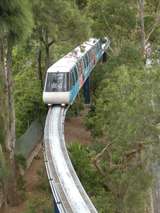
<point>99,45</point>
<point>85,62</point>
<point>72,78</point>
<point>67,81</point>
<point>97,48</point>
<point>76,73</point>
<point>87,59</point>
<point>90,56</point>
<point>56,82</point>
<point>80,66</point>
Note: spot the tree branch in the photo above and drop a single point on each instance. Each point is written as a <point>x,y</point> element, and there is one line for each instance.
<point>51,42</point>
<point>157,21</point>
<point>99,155</point>
<point>97,158</point>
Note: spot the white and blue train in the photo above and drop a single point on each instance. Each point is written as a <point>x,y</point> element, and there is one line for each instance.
<point>65,78</point>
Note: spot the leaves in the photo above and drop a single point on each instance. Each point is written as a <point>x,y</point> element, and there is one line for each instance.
<point>125,116</point>
<point>28,100</point>
<point>15,19</point>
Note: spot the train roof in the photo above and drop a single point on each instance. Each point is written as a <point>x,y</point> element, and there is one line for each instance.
<point>66,63</point>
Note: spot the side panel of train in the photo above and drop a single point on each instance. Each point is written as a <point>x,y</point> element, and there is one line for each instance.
<point>83,67</point>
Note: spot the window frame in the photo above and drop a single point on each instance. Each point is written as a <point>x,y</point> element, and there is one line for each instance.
<point>50,79</point>
<point>75,70</point>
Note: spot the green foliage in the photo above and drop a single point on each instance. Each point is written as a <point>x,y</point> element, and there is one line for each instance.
<point>80,3</point>
<point>21,187</point>
<point>23,56</point>
<point>28,99</point>
<point>43,184</point>
<point>124,90</point>
<point>125,117</point>
<point>113,18</point>
<point>125,110</point>
<point>118,191</point>
<point>77,107</point>
<point>15,18</point>
<point>151,19</point>
<point>21,161</point>
<point>128,55</point>
<point>81,157</point>
<point>39,204</point>
<point>58,17</point>
<point>126,94</point>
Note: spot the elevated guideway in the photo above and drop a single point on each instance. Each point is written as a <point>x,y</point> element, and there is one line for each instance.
<point>69,194</point>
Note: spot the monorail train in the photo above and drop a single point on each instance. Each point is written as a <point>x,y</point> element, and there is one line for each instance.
<point>65,78</point>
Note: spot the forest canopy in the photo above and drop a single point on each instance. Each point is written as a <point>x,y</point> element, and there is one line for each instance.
<point>123,117</point>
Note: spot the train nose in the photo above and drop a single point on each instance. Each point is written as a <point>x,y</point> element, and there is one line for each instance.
<point>56,97</point>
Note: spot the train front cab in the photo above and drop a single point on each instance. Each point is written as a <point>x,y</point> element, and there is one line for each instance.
<point>61,87</point>
<point>56,90</point>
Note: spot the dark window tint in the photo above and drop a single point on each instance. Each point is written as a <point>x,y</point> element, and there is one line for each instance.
<point>85,62</point>
<point>87,59</point>
<point>75,73</point>
<point>68,81</point>
<point>72,79</point>
<point>57,82</point>
<point>97,47</point>
<point>99,44</point>
<point>90,56</point>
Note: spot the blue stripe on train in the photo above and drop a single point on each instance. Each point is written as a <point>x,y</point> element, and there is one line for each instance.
<point>74,91</point>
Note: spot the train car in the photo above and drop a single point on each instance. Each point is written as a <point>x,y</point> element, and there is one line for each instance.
<point>65,78</point>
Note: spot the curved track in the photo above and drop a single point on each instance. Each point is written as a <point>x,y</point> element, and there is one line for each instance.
<point>68,192</point>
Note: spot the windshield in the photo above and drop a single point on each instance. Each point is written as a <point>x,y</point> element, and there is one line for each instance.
<point>56,82</point>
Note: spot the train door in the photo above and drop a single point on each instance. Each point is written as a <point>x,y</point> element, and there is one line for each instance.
<point>74,84</point>
<point>77,87</point>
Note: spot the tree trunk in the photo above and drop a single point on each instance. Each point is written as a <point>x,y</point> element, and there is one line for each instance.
<point>39,67</point>
<point>44,38</point>
<point>9,120</point>
<point>47,60</point>
<point>142,30</point>
<point>47,55</point>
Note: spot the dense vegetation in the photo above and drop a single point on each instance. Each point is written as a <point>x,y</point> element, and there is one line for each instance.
<point>124,114</point>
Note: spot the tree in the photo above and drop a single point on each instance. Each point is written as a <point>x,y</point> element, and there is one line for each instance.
<point>16,22</point>
<point>125,124</point>
<point>142,30</point>
<point>134,21</point>
<point>28,100</point>
<point>58,21</point>
<point>115,19</point>
<point>149,20</point>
